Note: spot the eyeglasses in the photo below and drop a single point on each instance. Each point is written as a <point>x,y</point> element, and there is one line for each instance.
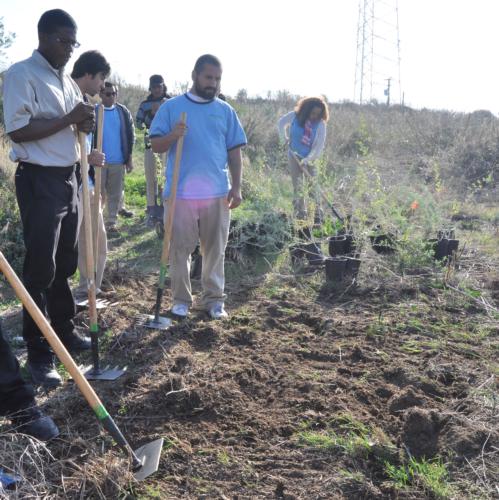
<point>64,41</point>
<point>109,94</point>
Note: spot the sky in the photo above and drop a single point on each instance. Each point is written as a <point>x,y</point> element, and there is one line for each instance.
<point>307,47</point>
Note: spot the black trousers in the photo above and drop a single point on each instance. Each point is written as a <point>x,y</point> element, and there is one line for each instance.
<point>15,393</point>
<point>48,202</point>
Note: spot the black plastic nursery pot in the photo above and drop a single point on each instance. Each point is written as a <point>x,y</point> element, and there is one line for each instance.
<point>452,247</point>
<point>342,244</point>
<point>337,245</point>
<point>336,269</point>
<point>350,244</point>
<point>353,267</point>
<point>447,233</point>
<point>439,247</point>
<point>383,243</point>
<point>313,254</point>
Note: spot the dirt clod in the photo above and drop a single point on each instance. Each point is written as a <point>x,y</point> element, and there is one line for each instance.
<point>403,400</point>
<point>421,431</point>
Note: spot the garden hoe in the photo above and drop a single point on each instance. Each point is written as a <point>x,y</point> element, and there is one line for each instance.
<point>145,460</point>
<point>99,303</point>
<point>323,196</point>
<point>155,321</point>
<point>94,372</point>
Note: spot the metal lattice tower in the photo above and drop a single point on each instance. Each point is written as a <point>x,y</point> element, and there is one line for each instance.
<point>378,52</point>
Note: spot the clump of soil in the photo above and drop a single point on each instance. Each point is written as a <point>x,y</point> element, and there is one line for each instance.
<point>467,439</point>
<point>403,400</point>
<point>421,432</point>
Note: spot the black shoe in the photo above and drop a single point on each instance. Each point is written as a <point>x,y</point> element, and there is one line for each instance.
<point>112,230</point>
<point>33,422</point>
<point>76,343</point>
<point>44,374</point>
<point>126,213</point>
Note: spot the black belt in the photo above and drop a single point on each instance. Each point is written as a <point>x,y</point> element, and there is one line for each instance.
<point>53,169</point>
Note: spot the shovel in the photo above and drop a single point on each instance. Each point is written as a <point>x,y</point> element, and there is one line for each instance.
<point>323,196</point>
<point>94,372</point>
<point>156,321</point>
<point>145,460</point>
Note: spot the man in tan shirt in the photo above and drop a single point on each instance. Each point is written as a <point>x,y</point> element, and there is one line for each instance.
<point>43,113</point>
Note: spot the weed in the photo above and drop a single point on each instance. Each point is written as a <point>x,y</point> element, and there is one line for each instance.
<point>431,475</point>
<point>223,458</point>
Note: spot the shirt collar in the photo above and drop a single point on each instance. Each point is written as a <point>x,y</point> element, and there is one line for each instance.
<point>196,98</point>
<point>110,107</point>
<point>40,60</point>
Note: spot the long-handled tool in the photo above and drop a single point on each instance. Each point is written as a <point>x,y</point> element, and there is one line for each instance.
<point>323,196</point>
<point>157,322</point>
<point>95,372</point>
<point>84,303</point>
<point>145,460</point>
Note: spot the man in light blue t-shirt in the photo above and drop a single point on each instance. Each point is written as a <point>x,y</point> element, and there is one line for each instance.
<point>118,139</point>
<point>213,138</point>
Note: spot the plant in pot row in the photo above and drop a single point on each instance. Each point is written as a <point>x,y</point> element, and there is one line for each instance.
<point>307,249</point>
<point>445,246</point>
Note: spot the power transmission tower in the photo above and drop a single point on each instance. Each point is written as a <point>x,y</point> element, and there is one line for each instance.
<point>378,50</point>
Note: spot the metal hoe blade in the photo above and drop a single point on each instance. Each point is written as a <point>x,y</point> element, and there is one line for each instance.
<point>106,373</point>
<point>149,455</point>
<point>150,321</point>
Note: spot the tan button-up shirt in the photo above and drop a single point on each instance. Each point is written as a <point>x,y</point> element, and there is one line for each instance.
<point>33,89</point>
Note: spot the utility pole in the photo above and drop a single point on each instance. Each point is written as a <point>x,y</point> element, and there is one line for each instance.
<point>378,51</point>
<point>387,90</point>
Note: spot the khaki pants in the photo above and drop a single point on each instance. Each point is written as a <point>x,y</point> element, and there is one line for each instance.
<point>302,184</point>
<point>151,172</point>
<point>113,178</point>
<point>206,221</point>
<point>82,289</point>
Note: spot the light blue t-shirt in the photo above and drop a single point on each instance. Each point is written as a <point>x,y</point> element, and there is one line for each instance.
<point>111,137</point>
<point>301,138</point>
<point>213,129</point>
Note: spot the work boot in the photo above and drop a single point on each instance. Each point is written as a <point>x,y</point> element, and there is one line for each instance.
<point>126,213</point>
<point>44,374</point>
<point>75,343</point>
<point>33,422</point>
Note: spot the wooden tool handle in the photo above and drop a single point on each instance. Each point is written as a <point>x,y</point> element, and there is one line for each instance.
<point>172,198</point>
<point>52,338</point>
<point>97,185</point>
<point>87,223</point>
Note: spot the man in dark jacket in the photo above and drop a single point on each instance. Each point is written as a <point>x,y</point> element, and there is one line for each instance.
<point>117,145</point>
<point>147,109</point>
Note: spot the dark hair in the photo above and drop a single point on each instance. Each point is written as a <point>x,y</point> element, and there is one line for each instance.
<point>54,19</point>
<point>156,80</point>
<point>111,85</point>
<point>305,106</point>
<point>206,59</point>
<point>91,63</point>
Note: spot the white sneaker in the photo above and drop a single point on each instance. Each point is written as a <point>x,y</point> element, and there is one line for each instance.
<point>218,312</point>
<point>180,310</point>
